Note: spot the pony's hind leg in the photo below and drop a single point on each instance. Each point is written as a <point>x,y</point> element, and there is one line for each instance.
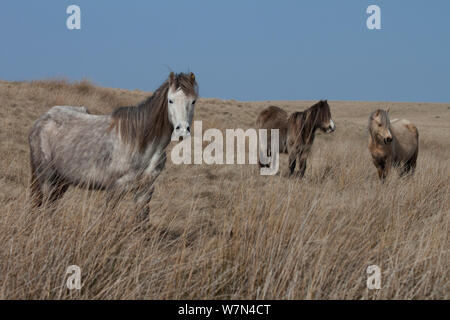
<point>409,166</point>
<point>260,162</point>
<point>57,187</point>
<point>413,164</point>
<point>38,183</point>
<point>264,153</point>
<point>56,192</point>
<point>37,177</point>
<point>36,193</point>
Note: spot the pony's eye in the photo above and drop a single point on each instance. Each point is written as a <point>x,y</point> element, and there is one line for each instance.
<point>379,124</point>
<point>193,102</point>
<point>170,101</point>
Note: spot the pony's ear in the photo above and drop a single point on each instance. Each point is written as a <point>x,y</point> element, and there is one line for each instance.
<point>192,76</point>
<point>388,109</point>
<point>171,78</point>
<point>377,113</point>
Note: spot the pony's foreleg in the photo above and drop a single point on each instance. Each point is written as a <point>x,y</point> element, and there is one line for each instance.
<point>387,167</point>
<point>113,197</point>
<point>302,164</point>
<point>382,174</point>
<point>383,167</point>
<point>142,200</point>
<point>292,162</point>
<point>146,189</point>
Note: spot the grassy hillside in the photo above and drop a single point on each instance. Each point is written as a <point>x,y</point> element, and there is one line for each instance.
<point>225,231</point>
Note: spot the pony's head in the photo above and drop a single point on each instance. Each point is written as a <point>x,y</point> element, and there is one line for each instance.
<point>181,98</point>
<point>379,126</point>
<point>325,123</point>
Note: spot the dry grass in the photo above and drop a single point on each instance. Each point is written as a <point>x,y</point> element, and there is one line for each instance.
<point>225,231</point>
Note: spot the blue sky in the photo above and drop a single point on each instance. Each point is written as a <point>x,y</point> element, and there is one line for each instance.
<point>243,50</point>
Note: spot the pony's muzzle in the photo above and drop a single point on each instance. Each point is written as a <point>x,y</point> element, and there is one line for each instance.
<point>181,131</point>
<point>331,127</point>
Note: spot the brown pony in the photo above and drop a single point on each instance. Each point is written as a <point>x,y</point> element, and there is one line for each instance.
<point>297,132</point>
<point>120,152</point>
<point>392,143</point>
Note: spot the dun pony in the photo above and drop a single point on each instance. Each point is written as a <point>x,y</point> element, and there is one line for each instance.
<point>392,143</point>
<point>120,152</point>
<point>296,132</point>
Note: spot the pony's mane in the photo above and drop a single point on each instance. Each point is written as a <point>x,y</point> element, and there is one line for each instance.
<point>310,118</point>
<point>317,112</point>
<point>149,120</point>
